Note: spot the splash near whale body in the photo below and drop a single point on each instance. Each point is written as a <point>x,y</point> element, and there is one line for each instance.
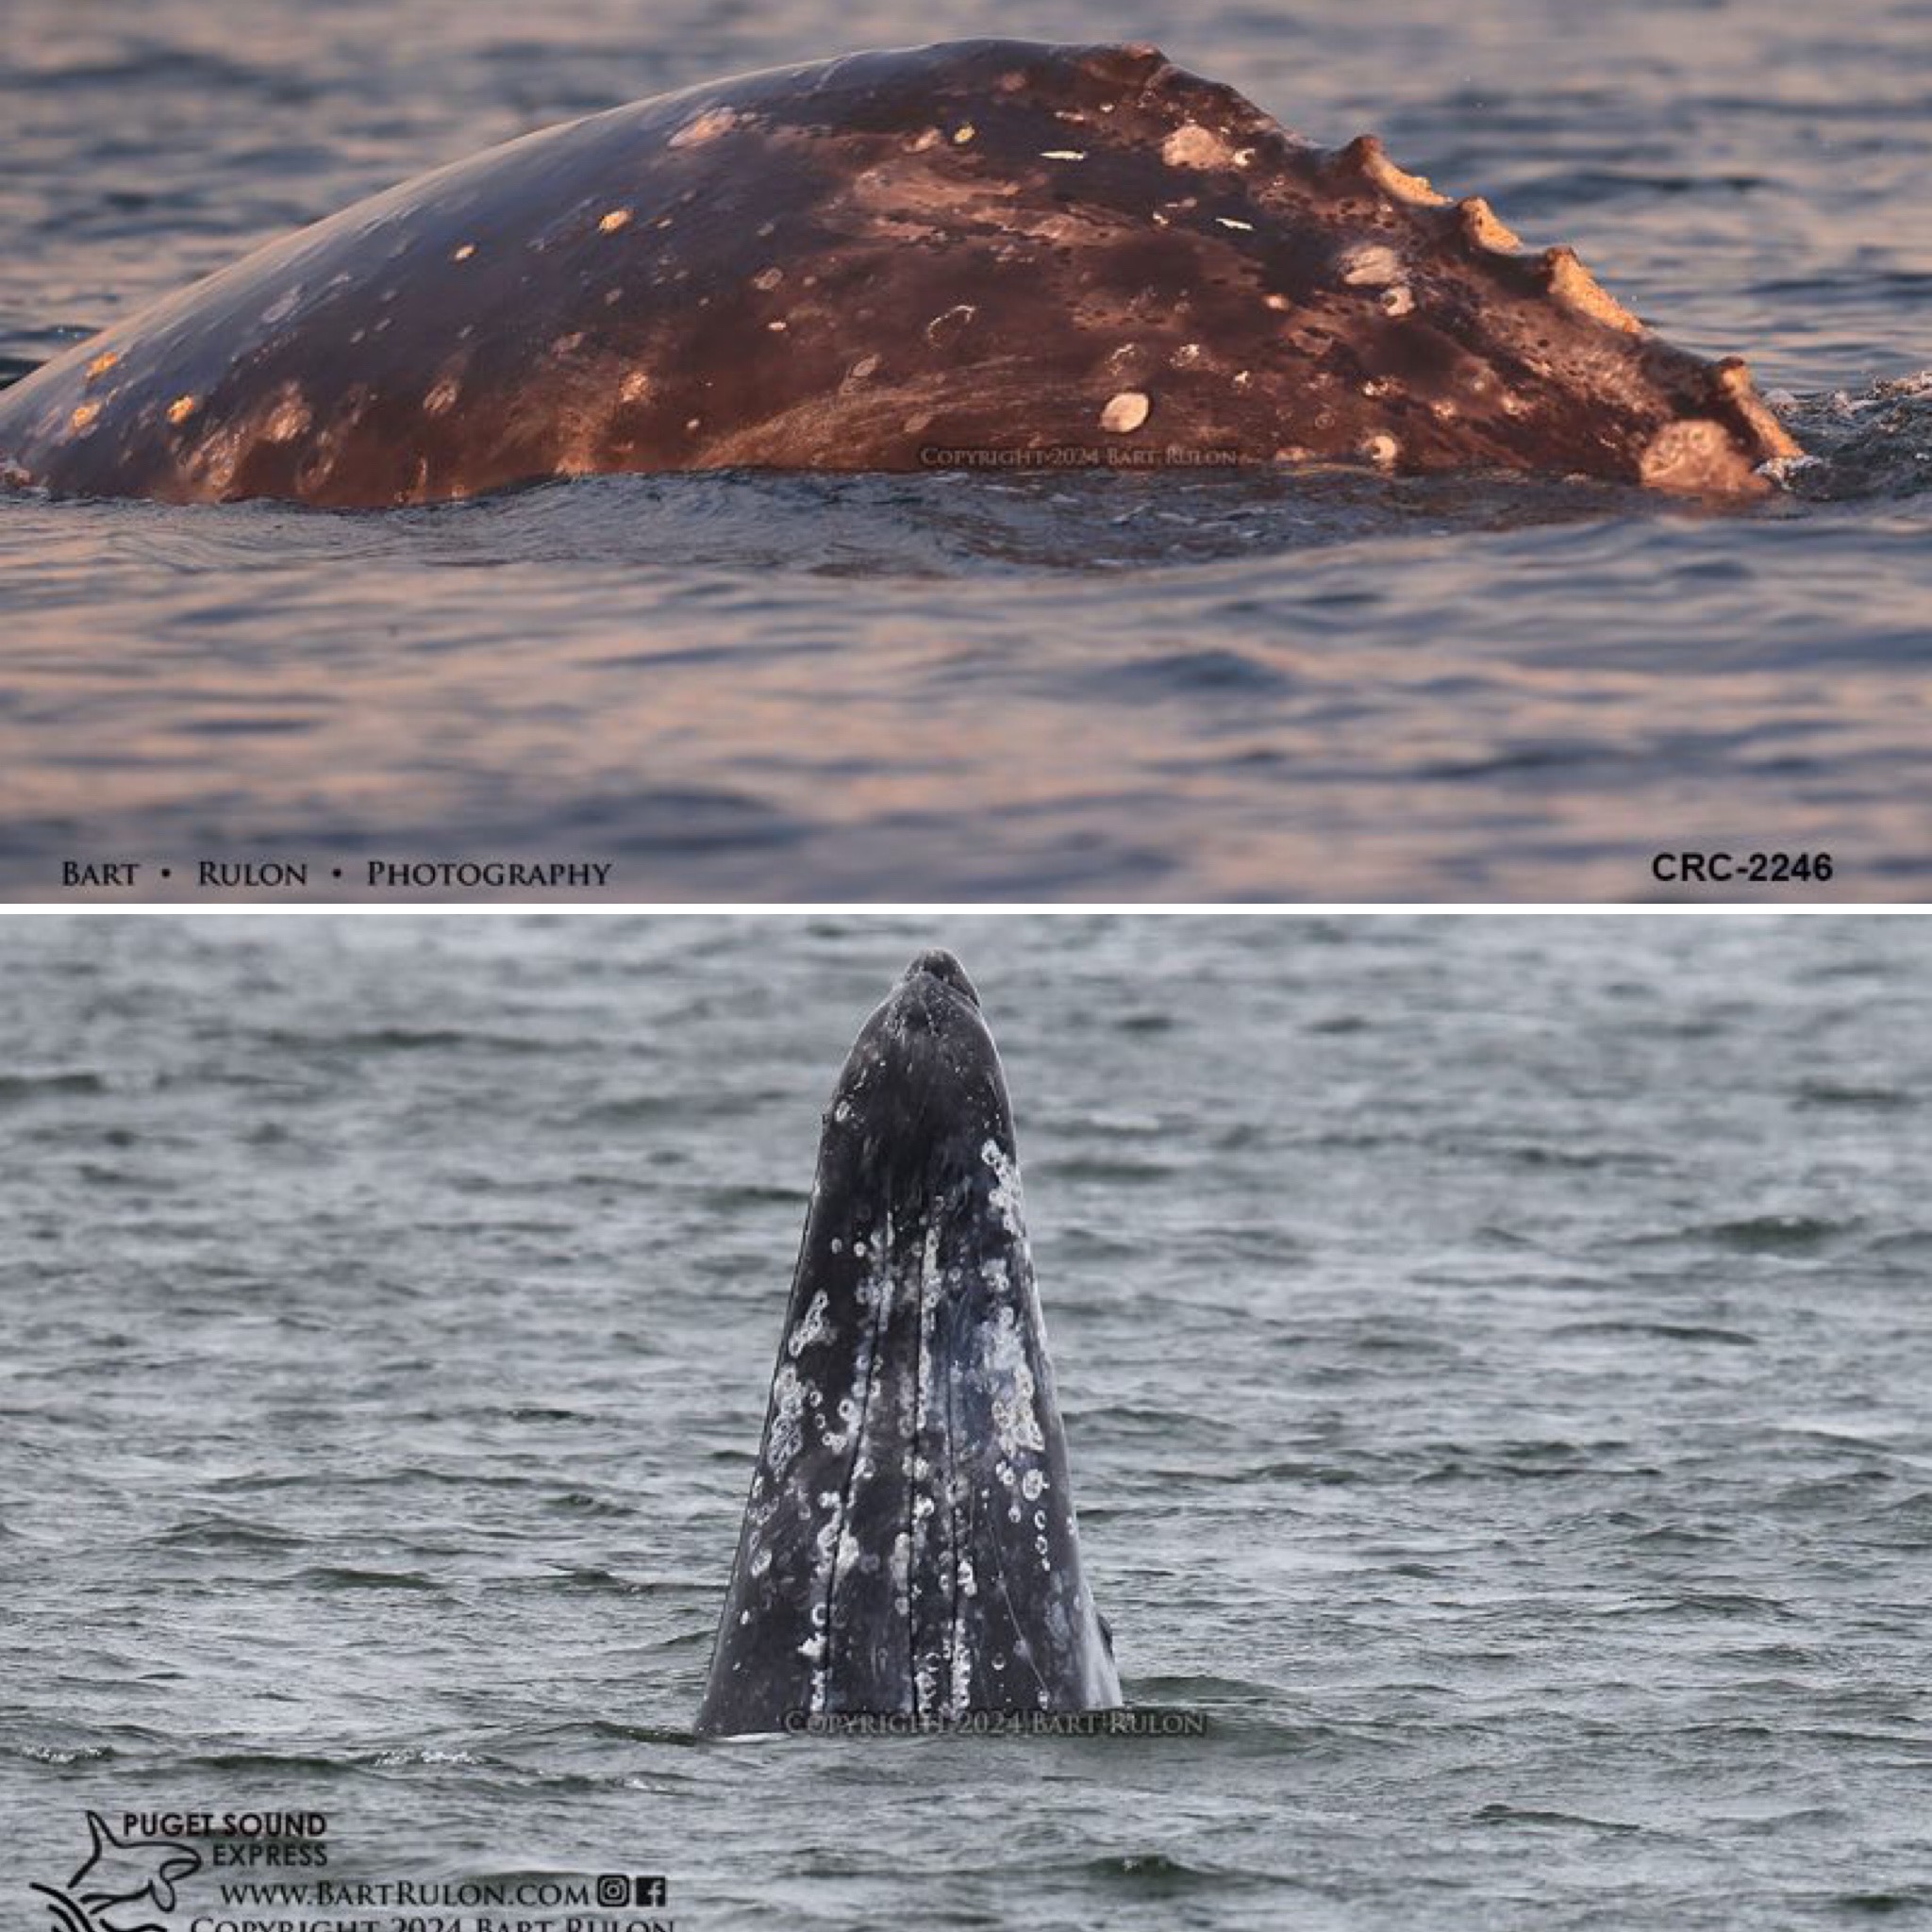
<point>909,1548</point>
<point>985,253</point>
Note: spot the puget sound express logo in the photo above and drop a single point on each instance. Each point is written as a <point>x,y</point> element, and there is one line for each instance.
<point>131,1879</point>
<point>123,1881</point>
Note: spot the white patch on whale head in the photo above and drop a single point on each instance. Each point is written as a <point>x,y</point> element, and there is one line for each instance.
<point>949,322</point>
<point>785,1434</point>
<point>812,1326</point>
<point>1190,145</point>
<point>702,127</point>
<point>1004,1197</point>
<point>289,416</point>
<point>1372,265</point>
<point>1009,1376</point>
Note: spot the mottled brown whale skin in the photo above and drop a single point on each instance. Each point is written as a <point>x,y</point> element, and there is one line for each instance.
<point>988,253</point>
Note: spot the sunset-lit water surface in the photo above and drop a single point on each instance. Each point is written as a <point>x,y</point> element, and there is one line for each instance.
<point>1114,687</point>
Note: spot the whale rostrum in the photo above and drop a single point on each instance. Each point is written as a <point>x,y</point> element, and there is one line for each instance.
<point>909,1548</point>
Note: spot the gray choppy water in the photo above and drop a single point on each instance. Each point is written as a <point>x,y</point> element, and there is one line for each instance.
<point>946,688</point>
<point>1493,1354</point>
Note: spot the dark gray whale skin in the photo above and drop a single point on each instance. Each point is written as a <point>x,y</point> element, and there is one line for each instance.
<point>909,1548</point>
<point>985,254</point>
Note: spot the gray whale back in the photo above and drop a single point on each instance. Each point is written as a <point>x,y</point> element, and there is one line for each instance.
<point>987,252</point>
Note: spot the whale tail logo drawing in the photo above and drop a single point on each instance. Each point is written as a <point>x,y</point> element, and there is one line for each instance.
<point>122,1882</point>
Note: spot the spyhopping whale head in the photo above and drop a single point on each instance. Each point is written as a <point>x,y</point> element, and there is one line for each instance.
<point>909,1545</point>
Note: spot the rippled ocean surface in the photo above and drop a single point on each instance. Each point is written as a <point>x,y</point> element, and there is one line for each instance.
<point>964,687</point>
<point>1493,1357</point>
